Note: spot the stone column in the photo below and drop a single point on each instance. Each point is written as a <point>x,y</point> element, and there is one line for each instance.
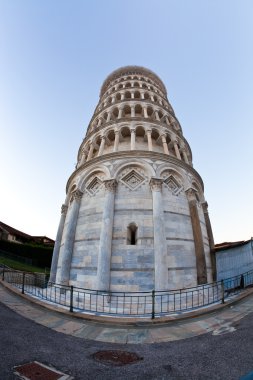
<point>83,157</point>
<point>150,147</point>
<point>165,145</point>
<point>176,149</point>
<point>122,96</point>
<point>185,156</point>
<point>102,146</point>
<point>108,116</point>
<point>132,139</point>
<point>132,111</point>
<point>198,239</point>
<point>145,111</point>
<point>120,113</point>
<point>57,244</point>
<point>132,95</point>
<point>211,239</point>
<point>67,249</point>
<point>105,244</point>
<point>99,122</point>
<point>152,98</point>
<point>157,116</point>
<point>160,252</point>
<point>116,141</point>
<point>90,152</point>
<point>142,95</point>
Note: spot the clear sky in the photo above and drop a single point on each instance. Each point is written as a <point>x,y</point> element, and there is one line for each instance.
<point>55,54</point>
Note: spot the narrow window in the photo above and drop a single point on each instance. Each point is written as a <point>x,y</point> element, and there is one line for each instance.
<point>132,234</point>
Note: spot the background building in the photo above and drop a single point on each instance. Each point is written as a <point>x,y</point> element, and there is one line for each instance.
<point>135,217</point>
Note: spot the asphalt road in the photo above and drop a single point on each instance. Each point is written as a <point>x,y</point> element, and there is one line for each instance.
<point>227,357</point>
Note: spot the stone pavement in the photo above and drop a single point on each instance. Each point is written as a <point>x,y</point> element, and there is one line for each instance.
<point>217,322</point>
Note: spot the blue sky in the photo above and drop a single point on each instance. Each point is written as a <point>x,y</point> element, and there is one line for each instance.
<point>55,54</point>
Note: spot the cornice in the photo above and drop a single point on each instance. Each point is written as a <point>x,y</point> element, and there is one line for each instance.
<point>134,154</point>
<point>132,70</point>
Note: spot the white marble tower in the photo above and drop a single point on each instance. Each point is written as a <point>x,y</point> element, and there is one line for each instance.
<point>135,217</point>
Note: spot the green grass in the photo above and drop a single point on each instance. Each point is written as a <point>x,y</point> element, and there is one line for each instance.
<point>22,266</point>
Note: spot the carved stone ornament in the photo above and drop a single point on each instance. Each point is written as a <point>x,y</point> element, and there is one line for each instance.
<point>94,186</point>
<point>110,184</point>
<point>156,184</point>
<point>205,207</point>
<point>64,209</point>
<point>173,185</point>
<point>133,180</point>
<point>77,194</point>
<point>191,194</point>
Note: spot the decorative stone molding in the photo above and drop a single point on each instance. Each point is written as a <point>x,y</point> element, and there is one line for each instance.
<point>133,180</point>
<point>173,185</point>
<point>191,194</point>
<point>156,184</point>
<point>64,209</point>
<point>205,207</point>
<point>77,195</point>
<point>110,185</point>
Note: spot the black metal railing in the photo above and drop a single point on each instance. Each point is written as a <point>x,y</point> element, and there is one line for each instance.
<point>136,304</point>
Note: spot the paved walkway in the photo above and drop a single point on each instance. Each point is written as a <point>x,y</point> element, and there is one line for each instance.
<point>217,323</point>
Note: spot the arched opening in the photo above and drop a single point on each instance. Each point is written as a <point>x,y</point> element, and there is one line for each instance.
<point>137,95</point>
<point>140,131</point>
<point>132,234</point>
<point>127,111</point>
<point>128,95</point>
<point>118,96</point>
<point>146,95</point>
<point>136,84</point>
<point>160,114</point>
<point>149,111</point>
<point>128,85</point>
<point>138,110</point>
<point>125,132</point>
<point>115,113</point>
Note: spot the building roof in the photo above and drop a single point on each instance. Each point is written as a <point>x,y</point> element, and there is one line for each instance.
<point>23,235</point>
<point>14,231</point>
<point>228,245</point>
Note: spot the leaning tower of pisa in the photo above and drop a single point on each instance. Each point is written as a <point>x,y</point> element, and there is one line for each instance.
<point>135,217</point>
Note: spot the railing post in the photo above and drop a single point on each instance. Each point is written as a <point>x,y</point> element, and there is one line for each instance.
<point>153,304</point>
<point>242,282</point>
<point>23,283</point>
<point>71,299</point>
<point>222,292</point>
<point>3,274</point>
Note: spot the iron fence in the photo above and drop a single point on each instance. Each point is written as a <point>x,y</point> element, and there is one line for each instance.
<point>129,304</point>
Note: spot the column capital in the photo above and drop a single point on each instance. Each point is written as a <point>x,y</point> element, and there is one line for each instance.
<point>191,194</point>
<point>77,195</point>
<point>110,185</point>
<point>156,184</point>
<point>64,209</point>
<point>205,207</point>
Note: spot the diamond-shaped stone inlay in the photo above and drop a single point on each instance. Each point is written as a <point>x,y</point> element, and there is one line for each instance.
<point>94,186</point>
<point>132,180</point>
<point>173,185</point>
